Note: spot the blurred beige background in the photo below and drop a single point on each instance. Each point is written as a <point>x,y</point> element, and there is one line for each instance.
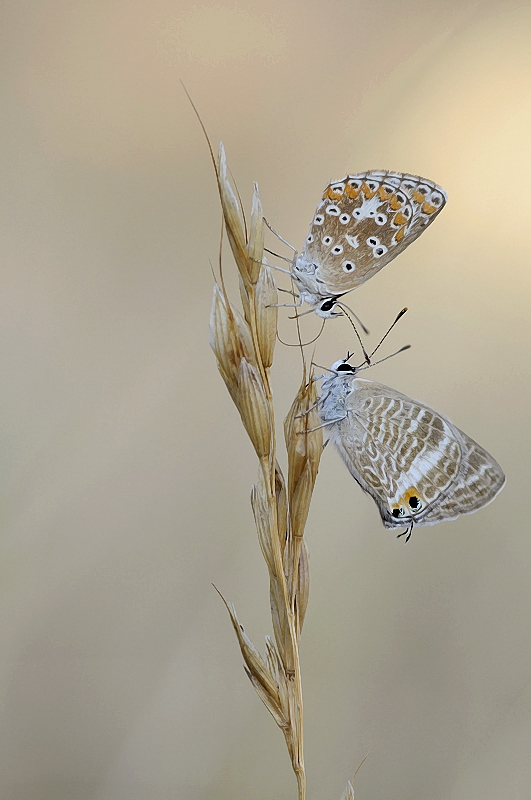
<point>125,471</point>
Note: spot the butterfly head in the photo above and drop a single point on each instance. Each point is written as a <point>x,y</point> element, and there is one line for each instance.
<point>326,308</point>
<point>343,368</point>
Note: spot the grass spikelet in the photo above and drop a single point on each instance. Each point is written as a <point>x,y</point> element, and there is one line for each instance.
<point>244,347</point>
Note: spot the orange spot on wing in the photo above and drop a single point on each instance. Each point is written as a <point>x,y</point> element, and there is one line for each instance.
<point>399,219</point>
<point>418,197</point>
<point>367,192</point>
<point>399,235</point>
<point>331,194</point>
<point>383,193</point>
<point>395,203</point>
<point>351,192</point>
<point>428,208</point>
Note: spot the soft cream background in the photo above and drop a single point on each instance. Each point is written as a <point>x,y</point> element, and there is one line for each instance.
<point>125,471</point>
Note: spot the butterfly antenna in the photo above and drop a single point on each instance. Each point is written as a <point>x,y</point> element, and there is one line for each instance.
<point>364,328</point>
<point>384,337</point>
<point>345,309</point>
<point>374,363</point>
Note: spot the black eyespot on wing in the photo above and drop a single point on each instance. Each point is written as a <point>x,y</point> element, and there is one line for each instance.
<point>396,513</point>
<point>414,503</point>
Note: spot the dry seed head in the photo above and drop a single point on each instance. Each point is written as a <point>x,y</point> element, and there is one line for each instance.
<point>304,447</point>
<point>230,338</point>
<point>280,622</point>
<point>262,518</point>
<point>266,298</point>
<point>257,668</point>
<point>256,237</point>
<point>303,588</point>
<point>282,506</point>
<point>348,794</point>
<point>254,409</point>
<point>234,222</point>
<point>244,295</point>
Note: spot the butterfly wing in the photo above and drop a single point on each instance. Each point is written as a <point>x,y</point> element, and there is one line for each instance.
<point>361,224</point>
<point>480,480</point>
<point>414,462</point>
<point>400,451</point>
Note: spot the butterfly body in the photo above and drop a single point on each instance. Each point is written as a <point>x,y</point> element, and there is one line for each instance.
<point>362,222</point>
<point>415,463</point>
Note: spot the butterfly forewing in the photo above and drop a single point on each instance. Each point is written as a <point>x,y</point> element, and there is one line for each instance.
<point>362,223</point>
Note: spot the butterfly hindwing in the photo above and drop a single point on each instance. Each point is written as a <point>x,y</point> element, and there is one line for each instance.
<point>416,465</point>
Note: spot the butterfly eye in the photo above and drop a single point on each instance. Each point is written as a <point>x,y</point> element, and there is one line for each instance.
<point>348,266</point>
<point>345,368</point>
<point>318,219</point>
<point>337,249</point>
<point>344,218</point>
<point>381,219</point>
<point>327,305</point>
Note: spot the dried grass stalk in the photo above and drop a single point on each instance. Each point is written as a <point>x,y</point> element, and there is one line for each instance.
<point>244,347</point>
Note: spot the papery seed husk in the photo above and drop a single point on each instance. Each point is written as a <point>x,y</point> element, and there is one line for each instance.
<point>304,444</point>
<point>256,237</point>
<point>266,299</point>
<point>230,338</point>
<point>254,409</point>
<point>348,794</point>
<point>263,526</point>
<point>282,507</point>
<point>269,702</point>
<point>303,590</point>
<point>234,222</point>
<point>253,660</point>
<point>245,300</point>
<point>300,500</point>
<point>280,621</point>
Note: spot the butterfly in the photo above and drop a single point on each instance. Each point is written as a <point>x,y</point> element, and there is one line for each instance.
<point>360,225</point>
<point>415,464</point>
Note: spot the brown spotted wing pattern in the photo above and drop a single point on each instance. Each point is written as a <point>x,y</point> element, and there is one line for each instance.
<point>417,466</point>
<point>360,225</point>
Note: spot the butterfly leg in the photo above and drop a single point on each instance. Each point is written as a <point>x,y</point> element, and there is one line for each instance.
<point>407,533</point>
<point>324,425</point>
<point>273,231</point>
